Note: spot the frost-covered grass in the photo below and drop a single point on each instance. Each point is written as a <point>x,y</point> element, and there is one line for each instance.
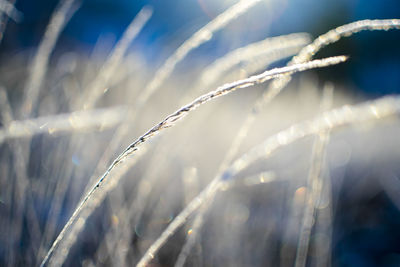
<point>98,167</point>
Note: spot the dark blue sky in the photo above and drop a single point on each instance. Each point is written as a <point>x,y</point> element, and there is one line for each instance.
<point>373,55</point>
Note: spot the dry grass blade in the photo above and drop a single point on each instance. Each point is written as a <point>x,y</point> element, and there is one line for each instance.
<point>262,178</point>
<point>344,31</point>
<point>22,183</point>
<point>304,55</point>
<point>180,114</point>
<point>96,88</point>
<point>10,10</point>
<point>5,108</point>
<point>330,120</point>
<point>223,90</point>
<point>310,50</point>
<point>4,21</point>
<point>38,69</point>
<point>201,36</point>
<point>75,121</point>
<point>271,46</point>
<point>277,85</point>
<point>314,183</point>
<point>69,240</point>
<point>271,49</point>
<point>256,56</point>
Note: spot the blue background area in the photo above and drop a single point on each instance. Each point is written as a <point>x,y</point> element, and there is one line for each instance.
<point>374,67</point>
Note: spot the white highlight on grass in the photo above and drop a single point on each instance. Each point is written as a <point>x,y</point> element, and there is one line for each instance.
<point>94,91</point>
<point>6,114</point>
<point>256,55</point>
<point>323,40</point>
<point>170,121</point>
<point>259,55</point>
<point>39,65</point>
<point>70,122</point>
<point>277,86</point>
<point>314,183</point>
<point>201,36</point>
<point>345,115</point>
<point>10,10</point>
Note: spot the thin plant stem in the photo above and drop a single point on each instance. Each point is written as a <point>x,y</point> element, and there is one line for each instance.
<point>278,84</point>
<point>259,54</point>
<point>22,198</point>
<point>39,65</point>
<point>4,19</point>
<point>76,121</point>
<point>200,37</point>
<point>92,94</point>
<point>310,50</point>
<point>171,120</point>
<point>8,9</point>
<point>314,184</point>
<point>330,120</point>
<point>271,49</point>
<point>101,81</point>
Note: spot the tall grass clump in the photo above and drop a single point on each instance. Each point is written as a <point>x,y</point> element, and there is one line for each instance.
<point>99,167</point>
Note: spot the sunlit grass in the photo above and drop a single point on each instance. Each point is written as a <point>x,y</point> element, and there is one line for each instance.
<point>86,163</point>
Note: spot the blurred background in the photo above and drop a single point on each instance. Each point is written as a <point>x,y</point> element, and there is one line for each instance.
<point>101,23</point>
<point>363,163</point>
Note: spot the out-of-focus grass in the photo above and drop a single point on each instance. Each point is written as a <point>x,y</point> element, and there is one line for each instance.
<point>227,186</point>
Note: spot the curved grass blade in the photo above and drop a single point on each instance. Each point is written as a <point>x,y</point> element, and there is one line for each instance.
<point>39,65</point>
<point>171,120</point>
<point>330,120</point>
